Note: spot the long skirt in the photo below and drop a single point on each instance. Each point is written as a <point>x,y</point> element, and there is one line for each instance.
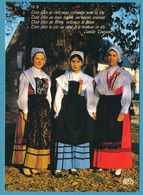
<point>70,156</point>
<point>73,131</point>
<point>32,138</point>
<point>120,158</point>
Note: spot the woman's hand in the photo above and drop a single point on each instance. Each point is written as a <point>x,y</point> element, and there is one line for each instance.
<point>121,117</point>
<point>25,117</point>
<point>94,115</point>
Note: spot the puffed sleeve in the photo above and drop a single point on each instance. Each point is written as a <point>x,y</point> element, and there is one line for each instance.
<point>23,93</point>
<point>58,100</point>
<point>49,97</point>
<point>90,97</point>
<point>126,95</point>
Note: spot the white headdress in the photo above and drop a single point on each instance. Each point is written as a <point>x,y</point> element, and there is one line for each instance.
<point>117,49</point>
<point>36,50</point>
<point>80,53</point>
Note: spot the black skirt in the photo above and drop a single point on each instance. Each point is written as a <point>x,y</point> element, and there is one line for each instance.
<point>74,125</point>
<point>38,126</point>
<point>108,132</point>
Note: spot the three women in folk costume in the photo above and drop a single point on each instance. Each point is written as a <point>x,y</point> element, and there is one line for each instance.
<point>113,133</point>
<point>33,130</point>
<point>76,110</point>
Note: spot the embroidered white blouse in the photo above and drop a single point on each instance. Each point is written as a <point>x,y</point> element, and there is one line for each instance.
<point>123,80</point>
<point>28,77</point>
<point>62,85</point>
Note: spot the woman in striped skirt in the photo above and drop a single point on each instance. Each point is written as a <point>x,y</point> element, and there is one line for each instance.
<point>74,107</point>
<point>33,130</point>
<point>113,133</point>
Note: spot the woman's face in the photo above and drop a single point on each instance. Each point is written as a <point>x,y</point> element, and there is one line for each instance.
<point>112,58</point>
<point>39,60</point>
<point>76,64</point>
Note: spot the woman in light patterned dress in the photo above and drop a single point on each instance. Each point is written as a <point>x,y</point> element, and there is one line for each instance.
<point>33,130</point>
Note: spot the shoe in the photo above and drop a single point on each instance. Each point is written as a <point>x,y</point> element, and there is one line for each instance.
<point>117,173</point>
<point>58,174</point>
<point>35,172</point>
<point>26,172</point>
<point>73,172</point>
<point>97,170</point>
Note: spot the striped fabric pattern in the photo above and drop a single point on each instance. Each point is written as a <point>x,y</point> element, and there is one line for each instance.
<point>18,156</point>
<point>37,159</point>
<point>69,156</point>
<point>19,149</point>
<point>29,157</point>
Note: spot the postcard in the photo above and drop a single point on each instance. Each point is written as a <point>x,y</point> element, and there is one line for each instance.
<point>51,140</point>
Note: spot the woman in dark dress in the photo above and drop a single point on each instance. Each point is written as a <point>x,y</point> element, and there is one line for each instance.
<point>74,107</point>
<point>33,130</point>
<point>113,133</point>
